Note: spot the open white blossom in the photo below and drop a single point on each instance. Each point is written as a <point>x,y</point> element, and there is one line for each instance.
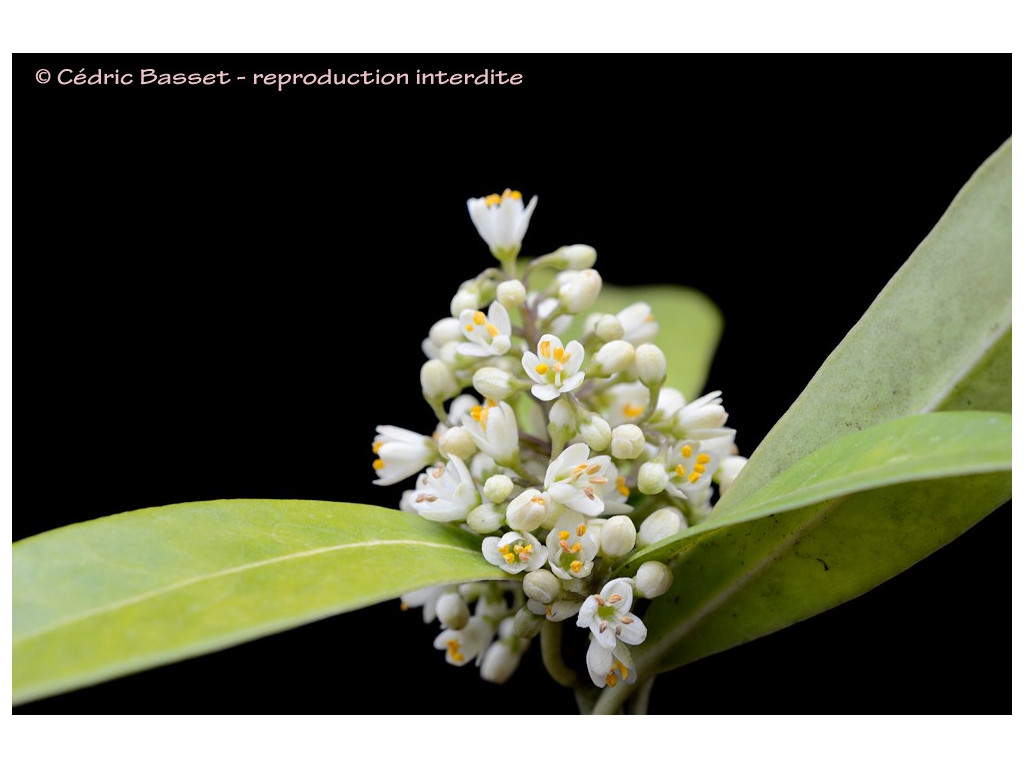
<point>579,481</point>
<point>494,430</point>
<point>502,220</point>
<point>607,666</point>
<point>515,552</point>
<point>445,493</point>
<point>608,617</point>
<point>488,334</point>
<point>572,547</point>
<point>638,324</point>
<point>401,453</point>
<point>461,646</point>
<point>555,368</point>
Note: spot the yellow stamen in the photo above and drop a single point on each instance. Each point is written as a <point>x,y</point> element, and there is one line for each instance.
<point>563,535</point>
<point>694,477</point>
<point>491,330</point>
<point>453,651</point>
<point>576,547</point>
<point>559,354</point>
<point>680,470</point>
<point>492,200</point>
<point>621,486</point>
<point>614,599</point>
<point>581,529</point>
<point>576,566</point>
<point>469,327</point>
<point>545,348</point>
<point>611,679</point>
<point>479,317</point>
<point>378,464</point>
<point>541,369</point>
<point>512,194</point>
<point>687,451</point>
<point>629,411</point>
<point>593,469</point>
<point>510,558</point>
<point>377,445</point>
<point>703,458</point>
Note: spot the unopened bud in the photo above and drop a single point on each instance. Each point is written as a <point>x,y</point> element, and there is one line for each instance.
<point>575,257</point>
<point>527,510</point>
<point>485,519</point>
<point>500,661</point>
<point>608,328</point>
<point>437,381</point>
<point>445,330</point>
<point>653,579</point>
<point>651,364</point>
<point>580,291</point>
<point>665,522</point>
<point>526,624</point>
<point>596,433</point>
<point>452,610</point>
<point>618,536</point>
<point>652,478</point>
<point>511,293</point>
<point>728,470</point>
<point>542,586</point>
<point>457,441</point>
<point>497,488</point>
<point>561,421</point>
<point>468,297</point>
<point>613,357</point>
<point>494,383</point>
<point>627,441</point>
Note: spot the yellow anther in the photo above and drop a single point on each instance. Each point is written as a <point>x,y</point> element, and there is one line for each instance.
<point>491,330</point>
<point>576,566</point>
<point>563,535</point>
<point>547,609</point>
<point>622,668</point>
<point>687,451</point>
<point>621,487</point>
<point>453,651</point>
<point>479,317</point>
<point>403,606</point>
<point>680,470</point>
<point>541,369</point>
<point>545,348</point>
<point>614,599</point>
<point>510,558</point>
<point>528,549</point>
<point>503,550</point>
<point>576,547</point>
<point>559,354</point>
<point>492,200</point>
<point>588,492</point>
<point>649,319</point>
<point>629,411</point>
<point>581,529</point>
<point>538,500</point>
<point>593,469</point>
<point>377,445</point>
<point>469,327</point>
<point>512,194</point>
<point>703,458</point>
<point>698,469</point>
<point>611,679</point>
<point>378,464</point>
<point>694,477</point>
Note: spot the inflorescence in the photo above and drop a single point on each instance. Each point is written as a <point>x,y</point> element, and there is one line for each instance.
<point>569,457</point>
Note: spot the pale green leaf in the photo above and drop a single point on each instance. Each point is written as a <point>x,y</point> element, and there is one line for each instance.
<point>100,599</point>
<point>936,338</point>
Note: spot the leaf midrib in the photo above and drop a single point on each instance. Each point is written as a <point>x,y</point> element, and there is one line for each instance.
<point>168,588</point>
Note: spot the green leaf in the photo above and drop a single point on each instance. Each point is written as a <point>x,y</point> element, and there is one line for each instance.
<point>100,599</point>
<point>936,338</point>
<point>695,323</point>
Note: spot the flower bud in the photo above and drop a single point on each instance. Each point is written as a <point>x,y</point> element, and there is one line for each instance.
<point>561,421</point>
<point>494,383</point>
<point>457,441</point>
<point>665,522</point>
<point>651,365</point>
<point>452,610</point>
<point>596,433</point>
<point>485,519</point>
<point>627,441</point>
<point>618,536</point>
<point>580,291</point>
<point>613,357</point>
<point>652,478</point>
<point>527,511</point>
<point>445,330</point>
<point>500,661</point>
<point>468,297</point>
<point>526,624</point>
<point>511,293</point>
<point>497,488</point>
<point>608,328</point>
<point>437,381</point>
<point>542,586</point>
<point>727,471</point>
<point>653,579</point>
<point>575,257</point>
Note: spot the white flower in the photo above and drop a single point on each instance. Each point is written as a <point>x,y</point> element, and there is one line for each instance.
<point>501,220</point>
<point>444,333</point>
<point>560,610</point>
<point>426,598</point>
<point>571,547</point>
<point>488,334</point>
<point>692,474</point>
<point>578,291</point>
<point>624,403</point>
<point>638,324</point>
<point>515,552</point>
<point>494,430</point>
<point>528,510</point>
<point>608,617</point>
<point>579,482</point>
<point>555,369</point>
<point>609,665</point>
<point>652,579</point>
<point>728,470</point>
<point>660,524</point>
<point>461,646</point>
<point>445,493</point>
<point>502,658</point>
<point>400,454</point>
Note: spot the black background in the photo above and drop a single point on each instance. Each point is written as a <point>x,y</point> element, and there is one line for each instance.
<point>223,290</point>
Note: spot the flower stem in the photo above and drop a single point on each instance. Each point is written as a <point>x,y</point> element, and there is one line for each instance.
<point>551,653</point>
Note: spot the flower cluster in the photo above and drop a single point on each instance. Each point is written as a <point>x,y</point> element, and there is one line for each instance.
<point>560,445</point>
